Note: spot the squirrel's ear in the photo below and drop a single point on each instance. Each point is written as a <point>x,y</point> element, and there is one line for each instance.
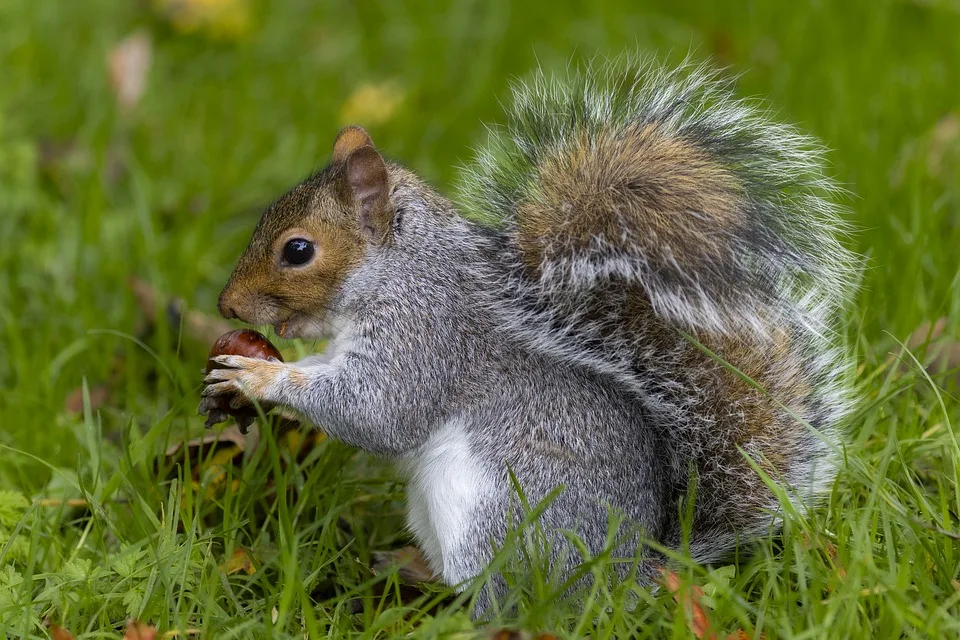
<point>369,184</point>
<point>349,140</point>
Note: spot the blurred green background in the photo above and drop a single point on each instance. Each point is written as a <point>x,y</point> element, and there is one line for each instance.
<point>242,98</point>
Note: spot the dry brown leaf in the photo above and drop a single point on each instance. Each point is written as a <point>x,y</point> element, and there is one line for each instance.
<point>232,435</point>
<point>722,47</point>
<point>516,634</point>
<point>938,149</point>
<point>831,551</point>
<point>413,566</point>
<point>215,459</point>
<point>927,332</point>
<point>230,443</point>
<point>689,599</point>
<point>147,298</point>
<point>99,396</point>
<point>137,630</point>
<point>100,393</point>
<point>942,349</point>
<point>59,633</point>
<point>62,161</point>
<point>239,561</point>
<point>129,63</point>
<point>944,144</point>
<point>197,325</point>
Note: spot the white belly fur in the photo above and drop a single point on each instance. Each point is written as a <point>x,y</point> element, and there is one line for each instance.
<point>445,484</point>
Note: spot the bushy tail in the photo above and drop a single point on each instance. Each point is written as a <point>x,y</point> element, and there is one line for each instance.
<point>664,178</point>
<point>641,205</point>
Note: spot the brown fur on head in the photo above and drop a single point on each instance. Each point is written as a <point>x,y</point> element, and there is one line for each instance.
<point>327,222</point>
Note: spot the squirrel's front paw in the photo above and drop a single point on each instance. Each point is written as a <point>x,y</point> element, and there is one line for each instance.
<point>249,379</point>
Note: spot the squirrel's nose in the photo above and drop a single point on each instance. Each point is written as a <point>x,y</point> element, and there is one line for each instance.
<point>226,309</point>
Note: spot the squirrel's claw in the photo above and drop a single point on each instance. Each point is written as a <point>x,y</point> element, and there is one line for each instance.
<point>240,402</point>
<point>205,407</point>
<point>215,414</point>
<point>220,375</point>
<point>219,389</point>
<point>251,378</point>
<point>238,362</point>
<point>215,417</point>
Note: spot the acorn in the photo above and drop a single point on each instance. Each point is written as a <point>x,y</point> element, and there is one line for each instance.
<point>241,342</point>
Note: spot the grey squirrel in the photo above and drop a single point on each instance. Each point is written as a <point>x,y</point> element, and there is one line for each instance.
<point>647,291</point>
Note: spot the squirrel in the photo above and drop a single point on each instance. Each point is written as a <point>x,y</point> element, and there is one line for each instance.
<point>644,291</point>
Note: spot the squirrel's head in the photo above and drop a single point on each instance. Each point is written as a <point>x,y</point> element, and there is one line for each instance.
<point>309,241</point>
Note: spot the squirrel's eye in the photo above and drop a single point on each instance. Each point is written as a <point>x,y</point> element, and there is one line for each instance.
<point>297,251</point>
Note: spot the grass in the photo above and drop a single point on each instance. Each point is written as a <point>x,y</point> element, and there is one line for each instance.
<point>168,192</point>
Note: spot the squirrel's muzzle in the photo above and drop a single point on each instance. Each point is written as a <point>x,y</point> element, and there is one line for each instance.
<point>227,305</point>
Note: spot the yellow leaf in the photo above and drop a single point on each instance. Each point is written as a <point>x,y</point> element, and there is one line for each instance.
<point>372,104</point>
<point>217,19</point>
<point>239,561</point>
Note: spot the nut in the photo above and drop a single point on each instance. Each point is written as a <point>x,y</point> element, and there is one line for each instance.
<point>241,342</point>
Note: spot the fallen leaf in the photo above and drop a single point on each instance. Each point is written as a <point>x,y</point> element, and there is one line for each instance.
<point>147,298</point>
<point>58,502</point>
<point>217,19</point>
<point>63,161</point>
<point>516,634</point>
<point>216,458</point>
<point>99,393</point>
<point>137,630</point>
<point>129,63</point>
<point>196,325</point>
<point>942,349</point>
<point>944,144</point>
<point>413,566</point>
<point>937,153</point>
<point>372,104</point>
<point>689,601</point>
<point>198,447</point>
<point>99,396</point>
<point>722,47</point>
<point>831,551</point>
<point>239,561</point>
<point>59,633</point>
